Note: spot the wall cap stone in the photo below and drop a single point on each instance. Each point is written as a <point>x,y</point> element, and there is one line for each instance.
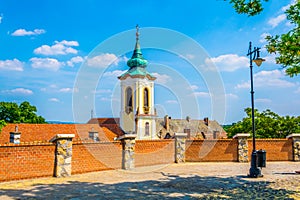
<point>241,135</point>
<point>180,134</point>
<point>15,133</point>
<point>62,136</point>
<point>293,135</point>
<point>127,136</point>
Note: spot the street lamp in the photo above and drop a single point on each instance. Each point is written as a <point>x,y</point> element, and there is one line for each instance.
<point>254,170</point>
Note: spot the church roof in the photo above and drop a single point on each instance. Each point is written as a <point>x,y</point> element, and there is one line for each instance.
<point>137,64</point>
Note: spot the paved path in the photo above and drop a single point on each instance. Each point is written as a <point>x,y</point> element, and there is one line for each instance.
<point>175,181</point>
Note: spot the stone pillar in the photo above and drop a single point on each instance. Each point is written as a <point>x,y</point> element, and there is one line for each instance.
<point>242,146</point>
<point>63,154</point>
<point>296,145</point>
<point>128,145</point>
<point>180,139</point>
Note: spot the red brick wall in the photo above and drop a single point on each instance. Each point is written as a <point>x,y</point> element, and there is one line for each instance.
<point>88,157</point>
<point>211,150</point>
<point>277,149</point>
<point>154,152</point>
<point>26,161</point>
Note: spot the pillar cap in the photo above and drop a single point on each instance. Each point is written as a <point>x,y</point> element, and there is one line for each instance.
<point>293,135</point>
<point>241,135</point>
<point>62,136</point>
<point>15,133</point>
<point>180,134</point>
<point>127,136</point>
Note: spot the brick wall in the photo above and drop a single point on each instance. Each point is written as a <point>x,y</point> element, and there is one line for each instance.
<point>154,152</point>
<point>211,150</point>
<point>26,161</point>
<point>277,149</point>
<point>31,160</point>
<point>88,157</point>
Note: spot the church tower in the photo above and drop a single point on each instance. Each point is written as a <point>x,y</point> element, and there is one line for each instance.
<point>137,97</point>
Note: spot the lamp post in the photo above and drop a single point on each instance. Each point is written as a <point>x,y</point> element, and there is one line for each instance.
<point>254,170</point>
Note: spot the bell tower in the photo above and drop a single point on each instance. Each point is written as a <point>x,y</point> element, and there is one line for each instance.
<point>137,97</point>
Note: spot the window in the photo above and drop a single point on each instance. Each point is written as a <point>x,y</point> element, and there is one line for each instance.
<point>146,101</point>
<point>128,97</point>
<point>147,129</point>
<point>146,97</point>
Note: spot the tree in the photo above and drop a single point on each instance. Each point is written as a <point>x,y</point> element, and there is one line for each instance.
<point>286,46</point>
<point>24,113</point>
<point>2,124</point>
<point>267,125</point>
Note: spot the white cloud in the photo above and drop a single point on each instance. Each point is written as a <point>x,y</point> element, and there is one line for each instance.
<point>65,90</point>
<point>11,65</point>
<point>19,91</point>
<point>114,74</point>
<point>53,100</point>
<point>59,48</point>
<point>263,100</point>
<point>263,36</point>
<point>161,78</point>
<point>231,96</point>
<point>74,60</point>
<point>268,79</point>
<point>270,59</point>
<point>188,56</point>
<point>193,87</point>
<point>274,22</point>
<point>201,94</point>
<point>228,62</point>
<point>68,43</point>
<point>103,60</point>
<point>1,18</point>
<point>23,32</point>
<point>172,102</point>
<point>46,63</point>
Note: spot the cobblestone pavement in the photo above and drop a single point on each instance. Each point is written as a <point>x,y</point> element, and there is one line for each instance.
<point>175,181</point>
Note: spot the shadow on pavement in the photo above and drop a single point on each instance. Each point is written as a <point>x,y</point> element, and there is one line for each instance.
<point>168,187</point>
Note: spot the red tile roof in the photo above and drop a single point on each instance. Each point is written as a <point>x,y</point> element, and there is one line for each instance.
<point>45,132</point>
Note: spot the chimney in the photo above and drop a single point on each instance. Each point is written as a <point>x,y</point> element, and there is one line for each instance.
<point>205,121</point>
<point>14,137</point>
<point>94,135</point>
<point>167,122</point>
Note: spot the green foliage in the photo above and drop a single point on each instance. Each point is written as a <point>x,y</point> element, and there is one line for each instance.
<point>24,113</point>
<point>2,124</point>
<point>250,7</point>
<point>267,125</point>
<point>286,46</point>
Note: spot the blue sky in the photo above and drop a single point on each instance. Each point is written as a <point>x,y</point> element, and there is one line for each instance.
<point>46,45</point>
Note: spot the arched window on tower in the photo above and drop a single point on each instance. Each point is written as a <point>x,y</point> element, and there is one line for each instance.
<point>147,129</point>
<point>146,100</point>
<point>128,96</point>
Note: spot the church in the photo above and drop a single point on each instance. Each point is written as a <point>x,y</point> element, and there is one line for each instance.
<point>138,115</point>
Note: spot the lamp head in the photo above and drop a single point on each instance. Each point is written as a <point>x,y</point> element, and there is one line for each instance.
<point>258,60</point>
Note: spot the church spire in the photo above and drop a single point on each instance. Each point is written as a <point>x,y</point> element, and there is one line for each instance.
<point>137,59</point>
